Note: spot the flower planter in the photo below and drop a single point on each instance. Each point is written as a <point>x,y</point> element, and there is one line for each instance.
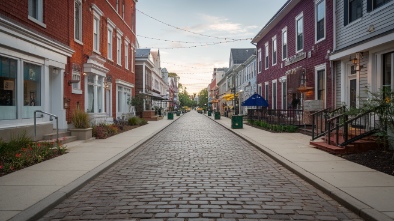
<point>82,134</point>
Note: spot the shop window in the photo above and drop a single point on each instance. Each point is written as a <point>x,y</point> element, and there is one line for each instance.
<point>8,88</point>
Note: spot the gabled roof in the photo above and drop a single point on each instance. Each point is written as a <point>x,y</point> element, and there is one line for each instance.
<point>142,53</point>
<point>240,55</point>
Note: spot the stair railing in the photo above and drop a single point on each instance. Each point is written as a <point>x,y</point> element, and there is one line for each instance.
<point>362,125</point>
<point>320,120</point>
<point>51,115</point>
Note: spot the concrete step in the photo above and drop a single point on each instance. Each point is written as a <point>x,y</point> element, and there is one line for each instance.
<point>53,135</point>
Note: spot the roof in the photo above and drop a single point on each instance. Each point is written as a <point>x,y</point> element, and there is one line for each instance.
<point>142,53</point>
<point>240,55</point>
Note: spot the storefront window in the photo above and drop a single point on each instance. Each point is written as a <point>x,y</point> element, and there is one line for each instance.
<point>31,89</point>
<point>8,79</point>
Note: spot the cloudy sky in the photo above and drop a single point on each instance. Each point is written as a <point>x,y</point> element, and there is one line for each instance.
<point>195,36</point>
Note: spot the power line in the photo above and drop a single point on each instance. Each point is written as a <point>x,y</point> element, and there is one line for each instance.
<point>186,42</point>
<point>209,36</point>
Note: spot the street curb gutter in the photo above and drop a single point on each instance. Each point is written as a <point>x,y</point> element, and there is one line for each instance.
<point>43,206</point>
<point>364,211</point>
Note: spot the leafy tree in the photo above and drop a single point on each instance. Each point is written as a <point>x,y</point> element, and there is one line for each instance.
<point>203,98</point>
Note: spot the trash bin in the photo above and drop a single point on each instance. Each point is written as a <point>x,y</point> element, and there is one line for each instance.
<point>178,113</point>
<point>217,115</point>
<point>237,121</point>
<point>170,116</point>
<point>209,113</point>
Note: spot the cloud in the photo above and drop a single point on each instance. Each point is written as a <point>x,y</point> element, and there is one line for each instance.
<point>220,24</point>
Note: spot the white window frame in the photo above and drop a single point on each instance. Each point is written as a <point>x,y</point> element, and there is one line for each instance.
<point>300,16</point>
<point>317,69</point>
<point>110,43</point>
<point>132,53</point>
<point>40,12</point>
<point>126,54</point>
<point>78,38</point>
<point>274,105</point>
<point>122,87</point>
<point>266,56</point>
<point>284,31</point>
<point>325,20</point>
<point>274,51</point>
<point>266,90</point>
<point>76,75</point>
<point>97,13</point>
<point>119,35</point>
<point>260,62</point>
<point>284,101</point>
<point>260,89</point>
<point>123,10</point>
<point>117,6</point>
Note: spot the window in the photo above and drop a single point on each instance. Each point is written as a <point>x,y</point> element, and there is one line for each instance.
<point>259,89</point>
<point>123,100</point>
<point>320,9</point>
<point>31,89</point>
<point>299,33</point>
<point>117,6</point>
<point>320,85</point>
<point>95,90</point>
<point>123,9</point>
<point>266,56</point>
<point>274,98</point>
<point>260,64</point>
<point>132,59</point>
<point>8,92</point>
<point>284,43</point>
<point>78,20</point>
<point>374,4</point>
<point>76,87</point>
<point>284,92</point>
<point>109,47</point>
<point>119,47</point>
<point>126,55</point>
<point>353,10</point>
<point>388,71</point>
<point>266,89</point>
<point>97,13</point>
<point>36,10</point>
<point>274,50</point>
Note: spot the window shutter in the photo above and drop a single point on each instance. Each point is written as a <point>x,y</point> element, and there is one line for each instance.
<point>369,5</point>
<point>346,12</point>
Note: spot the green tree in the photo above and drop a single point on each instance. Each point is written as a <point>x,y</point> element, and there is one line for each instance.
<point>203,98</point>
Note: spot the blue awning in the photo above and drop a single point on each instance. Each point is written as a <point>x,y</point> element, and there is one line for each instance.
<point>255,100</point>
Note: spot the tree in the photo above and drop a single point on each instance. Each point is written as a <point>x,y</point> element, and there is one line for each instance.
<point>203,98</point>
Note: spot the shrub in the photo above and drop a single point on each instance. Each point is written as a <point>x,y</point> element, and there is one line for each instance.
<point>142,122</point>
<point>80,119</point>
<point>103,131</point>
<point>134,121</point>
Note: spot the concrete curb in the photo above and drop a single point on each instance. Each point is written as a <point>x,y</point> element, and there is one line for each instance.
<point>42,207</point>
<point>356,206</point>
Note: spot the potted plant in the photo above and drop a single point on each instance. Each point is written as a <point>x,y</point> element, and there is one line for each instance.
<point>82,129</point>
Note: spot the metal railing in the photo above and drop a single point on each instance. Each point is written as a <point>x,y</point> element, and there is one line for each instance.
<point>320,120</point>
<point>360,126</point>
<point>51,115</point>
<point>281,117</point>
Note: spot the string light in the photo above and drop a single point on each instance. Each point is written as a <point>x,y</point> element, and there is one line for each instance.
<point>209,36</point>
<point>186,42</point>
<point>189,67</point>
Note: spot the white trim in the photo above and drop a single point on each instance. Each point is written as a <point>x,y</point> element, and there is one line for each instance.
<point>96,17</point>
<point>319,68</point>
<point>266,54</point>
<point>317,2</point>
<point>283,96</point>
<point>260,61</point>
<point>287,44</point>
<point>298,17</point>
<point>124,83</point>
<point>276,55</point>
<point>275,81</point>
<point>110,42</point>
<point>126,54</point>
<point>80,22</point>
<point>118,49</point>
<point>266,84</point>
<point>97,10</point>
<point>40,13</point>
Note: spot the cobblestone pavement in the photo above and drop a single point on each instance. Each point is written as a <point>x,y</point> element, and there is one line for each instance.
<point>197,170</point>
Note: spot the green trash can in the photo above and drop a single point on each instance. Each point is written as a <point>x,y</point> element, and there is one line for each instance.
<point>178,113</point>
<point>217,115</point>
<point>209,113</point>
<point>170,116</point>
<point>237,122</point>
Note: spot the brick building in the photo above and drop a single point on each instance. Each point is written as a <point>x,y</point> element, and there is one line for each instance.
<point>56,57</point>
<point>292,55</point>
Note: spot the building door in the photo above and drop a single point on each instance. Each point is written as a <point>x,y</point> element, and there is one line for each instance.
<point>321,86</point>
<point>388,71</point>
<point>353,93</point>
<point>108,103</point>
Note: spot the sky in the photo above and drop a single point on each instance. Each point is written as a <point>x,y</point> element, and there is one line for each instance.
<point>195,36</point>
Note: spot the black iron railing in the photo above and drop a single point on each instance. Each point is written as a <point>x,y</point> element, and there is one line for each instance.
<point>320,120</point>
<point>280,117</point>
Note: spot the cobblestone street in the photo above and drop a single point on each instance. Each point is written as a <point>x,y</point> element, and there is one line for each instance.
<point>197,170</point>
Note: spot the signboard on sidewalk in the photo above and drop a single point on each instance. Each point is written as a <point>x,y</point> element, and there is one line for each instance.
<point>313,105</point>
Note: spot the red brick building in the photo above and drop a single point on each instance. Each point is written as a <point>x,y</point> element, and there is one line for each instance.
<point>292,55</point>
<point>56,57</point>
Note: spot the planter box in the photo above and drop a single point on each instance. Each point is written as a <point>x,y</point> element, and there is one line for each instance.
<point>82,134</point>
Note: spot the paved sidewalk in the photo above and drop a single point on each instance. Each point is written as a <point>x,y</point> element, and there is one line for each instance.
<point>367,192</point>
<point>24,194</point>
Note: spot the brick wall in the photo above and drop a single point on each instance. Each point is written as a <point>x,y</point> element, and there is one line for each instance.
<point>318,50</point>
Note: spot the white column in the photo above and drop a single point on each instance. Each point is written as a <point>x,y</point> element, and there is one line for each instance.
<point>95,106</point>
